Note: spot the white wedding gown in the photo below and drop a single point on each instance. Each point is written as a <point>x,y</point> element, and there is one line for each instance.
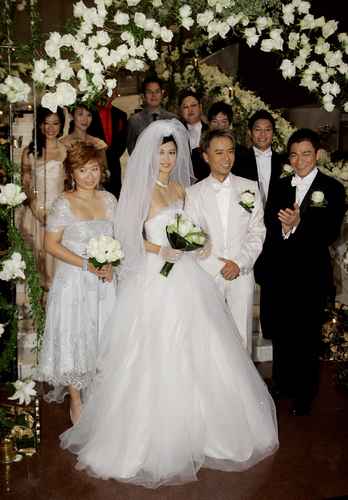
<point>176,390</point>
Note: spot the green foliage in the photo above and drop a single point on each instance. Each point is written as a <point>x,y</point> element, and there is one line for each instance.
<point>17,243</point>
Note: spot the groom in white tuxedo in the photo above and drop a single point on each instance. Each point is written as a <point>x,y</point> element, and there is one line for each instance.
<point>230,210</point>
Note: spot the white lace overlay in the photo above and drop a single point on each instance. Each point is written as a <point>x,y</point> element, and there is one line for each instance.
<point>78,302</point>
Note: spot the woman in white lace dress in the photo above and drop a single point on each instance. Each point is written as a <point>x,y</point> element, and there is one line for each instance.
<point>78,301</point>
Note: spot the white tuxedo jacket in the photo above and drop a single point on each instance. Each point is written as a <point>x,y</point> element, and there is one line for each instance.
<point>246,232</point>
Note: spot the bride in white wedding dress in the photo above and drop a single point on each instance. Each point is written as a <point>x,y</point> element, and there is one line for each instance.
<point>176,388</point>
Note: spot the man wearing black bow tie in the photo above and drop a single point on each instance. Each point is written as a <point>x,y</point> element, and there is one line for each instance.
<point>303,218</point>
<point>260,163</point>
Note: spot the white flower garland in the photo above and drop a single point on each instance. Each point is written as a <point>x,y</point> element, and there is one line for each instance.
<point>321,65</point>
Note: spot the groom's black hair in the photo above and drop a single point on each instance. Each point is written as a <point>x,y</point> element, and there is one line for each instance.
<point>262,114</point>
<point>305,134</point>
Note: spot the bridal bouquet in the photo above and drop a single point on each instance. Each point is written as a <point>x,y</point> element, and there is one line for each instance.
<point>104,250</point>
<point>183,235</point>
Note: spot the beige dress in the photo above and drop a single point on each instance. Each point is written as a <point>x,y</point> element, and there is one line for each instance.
<point>49,185</point>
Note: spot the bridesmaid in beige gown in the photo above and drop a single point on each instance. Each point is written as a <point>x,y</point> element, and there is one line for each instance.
<point>82,118</point>
<point>50,178</point>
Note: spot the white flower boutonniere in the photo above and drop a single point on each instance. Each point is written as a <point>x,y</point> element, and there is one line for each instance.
<point>247,199</point>
<point>318,199</point>
<point>286,171</point>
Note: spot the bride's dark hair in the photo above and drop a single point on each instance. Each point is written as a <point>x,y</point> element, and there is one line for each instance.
<point>170,138</point>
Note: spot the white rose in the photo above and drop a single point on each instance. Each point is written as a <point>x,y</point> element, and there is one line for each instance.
<point>299,62</point>
<point>67,92</point>
<point>52,49</point>
<point>5,88</point>
<point>166,34</point>
<point>50,77</point>
<point>56,38</point>
<point>115,56</point>
<point>38,77</point>
<point>102,52</point>
<point>333,58</point>
<point>149,43</point>
<point>329,106</point>
<point>88,59</point>
<point>132,52</point>
<point>329,28</point>
<point>67,40</point>
<point>49,101</point>
<point>96,68</point>
<point>134,65</point>
<point>89,15</point>
<point>111,83</point>
<point>133,2</point>
<point>101,257</point>
<point>304,53</point>
<point>307,22</point>
<point>288,69</point>
<point>304,7</point>
<point>103,38</point>
<point>345,107</point>
<point>157,3</point>
<point>98,81</point>
<point>121,18</point>
<point>2,329</point>
<point>79,9</point>
<point>140,20</point>
<point>267,45</point>
<point>247,198</point>
<point>79,47</point>
<point>204,19</point>
<point>81,74</point>
<point>304,39</point>
<point>212,29</point>
<point>320,22</point>
<point>223,29</point>
<point>152,54</point>
<point>288,169</point>
<point>344,175</point>
<point>128,37</point>
<point>245,21</point>
<point>251,36</point>
<point>11,195</point>
<point>150,23</point>
<point>122,50</point>
<point>321,47</point>
<point>185,11</point>
<point>185,227</point>
<point>317,196</point>
<point>293,40</point>
<point>18,85</point>
<point>261,23</point>
<point>40,65</point>
<point>187,22</point>
<point>67,73</point>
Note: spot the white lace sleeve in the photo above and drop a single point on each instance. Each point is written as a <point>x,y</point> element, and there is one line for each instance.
<point>111,203</point>
<point>60,215</point>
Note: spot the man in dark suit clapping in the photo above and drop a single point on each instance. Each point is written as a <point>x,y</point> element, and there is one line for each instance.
<point>303,217</point>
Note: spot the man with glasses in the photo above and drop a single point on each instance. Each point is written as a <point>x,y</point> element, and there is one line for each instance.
<point>151,92</point>
<point>260,163</point>
<point>191,111</point>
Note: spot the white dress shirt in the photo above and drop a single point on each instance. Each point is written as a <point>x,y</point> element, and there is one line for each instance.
<point>264,168</point>
<point>302,187</point>
<point>194,134</point>
<point>222,191</point>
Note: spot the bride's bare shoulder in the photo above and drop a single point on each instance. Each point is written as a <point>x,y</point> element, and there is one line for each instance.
<point>179,188</point>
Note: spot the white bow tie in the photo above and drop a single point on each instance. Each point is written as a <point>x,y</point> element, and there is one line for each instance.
<point>217,186</point>
<point>297,181</point>
<point>194,127</point>
<point>260,154</point>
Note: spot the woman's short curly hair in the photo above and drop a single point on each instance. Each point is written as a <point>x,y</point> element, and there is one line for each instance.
<point>78,155</point>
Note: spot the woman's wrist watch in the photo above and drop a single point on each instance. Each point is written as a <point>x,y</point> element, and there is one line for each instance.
<point>84,265</point>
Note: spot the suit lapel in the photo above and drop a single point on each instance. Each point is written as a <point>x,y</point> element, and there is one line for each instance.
<point>236,188</point>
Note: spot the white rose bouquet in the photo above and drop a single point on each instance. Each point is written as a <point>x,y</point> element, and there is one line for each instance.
<point>104,250</point>
<point>183,235</point>
<point>318,199</point>
<point>247,199</point>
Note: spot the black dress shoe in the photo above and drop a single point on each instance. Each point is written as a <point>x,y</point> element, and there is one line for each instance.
<point>277,394</point>
<point>300,407</point>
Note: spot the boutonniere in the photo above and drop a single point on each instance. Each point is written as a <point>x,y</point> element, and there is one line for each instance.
<point>247,199</point>
<point>286,171</point>
<point>318,199</point>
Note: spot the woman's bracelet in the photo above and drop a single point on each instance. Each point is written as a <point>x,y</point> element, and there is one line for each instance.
<point>84,265</point>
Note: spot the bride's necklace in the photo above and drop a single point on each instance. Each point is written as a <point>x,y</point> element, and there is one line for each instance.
<point>163,185</point>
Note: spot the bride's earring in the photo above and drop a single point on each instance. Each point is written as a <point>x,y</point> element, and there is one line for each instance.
<point>73,183</point>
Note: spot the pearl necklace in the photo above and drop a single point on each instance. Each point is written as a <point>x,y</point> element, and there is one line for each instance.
<point>163,185</point>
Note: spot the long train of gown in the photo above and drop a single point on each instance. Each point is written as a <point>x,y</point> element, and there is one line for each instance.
<point>176,390</point>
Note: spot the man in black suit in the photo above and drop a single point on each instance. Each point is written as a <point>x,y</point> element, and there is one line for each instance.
<point>303,217</point>
<point>191,112</point>
<point>110,124</point>
<point>260,162</point>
